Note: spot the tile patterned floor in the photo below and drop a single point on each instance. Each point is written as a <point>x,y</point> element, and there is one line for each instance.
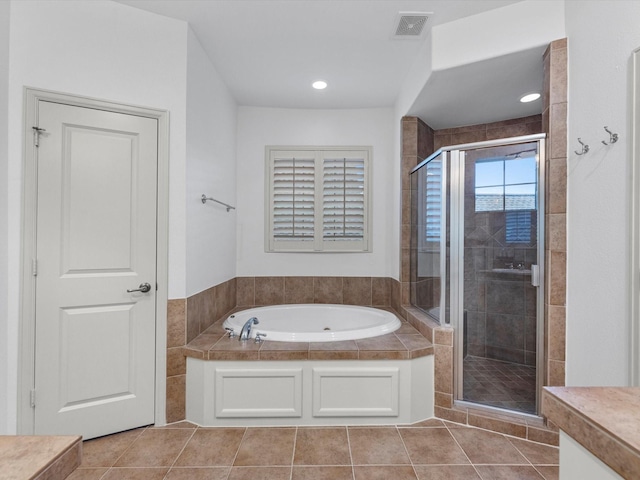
<point>500,384</point>
<point>432,449</point>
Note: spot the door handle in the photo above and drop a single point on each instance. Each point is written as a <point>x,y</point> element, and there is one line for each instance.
<point>144,288</point>
<point>535,276</point>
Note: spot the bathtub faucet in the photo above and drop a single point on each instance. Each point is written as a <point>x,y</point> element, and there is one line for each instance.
<point>245,333</point>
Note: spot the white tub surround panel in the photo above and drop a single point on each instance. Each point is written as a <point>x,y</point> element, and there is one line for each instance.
<point>353,392</point>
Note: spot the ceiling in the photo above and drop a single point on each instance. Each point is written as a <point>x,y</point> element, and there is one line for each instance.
<point>269,52</point>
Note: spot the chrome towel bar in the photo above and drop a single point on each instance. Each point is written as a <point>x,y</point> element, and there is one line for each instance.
<point>204,199</point>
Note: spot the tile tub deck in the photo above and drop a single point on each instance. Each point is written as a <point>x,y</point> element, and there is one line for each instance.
<point>403,344</point>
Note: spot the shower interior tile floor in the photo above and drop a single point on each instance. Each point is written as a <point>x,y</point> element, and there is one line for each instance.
<point>432,449</point>
<point>500,384</point>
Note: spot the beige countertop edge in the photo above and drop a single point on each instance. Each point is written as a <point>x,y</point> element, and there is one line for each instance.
<point>15,449</point>
<point>570,408</point>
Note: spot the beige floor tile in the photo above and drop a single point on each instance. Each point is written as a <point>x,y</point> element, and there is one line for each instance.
<point>155,448</point>
<point>395,472</point>
<point>377,446</point>
<point>549,472</point>
<point>260,473</point>
<point>322,446</point>
<point>136,474</point>
<point>88,473</point>
<point>322,473</point>
<point>183,424</point>
<point>105,451</point>
<point>429,422</point>
<point>537,453</point>
<point>211,447</point>
<point>429,446</point>
<point>198,473</point>
<point>483,447</point>
<point>508,472</point>
<point>266,446</point>
<point>446,472</point>
<point>428,450</point>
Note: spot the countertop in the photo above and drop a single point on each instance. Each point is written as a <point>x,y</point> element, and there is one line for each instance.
<point>25,457</point>
<point>604,420</point>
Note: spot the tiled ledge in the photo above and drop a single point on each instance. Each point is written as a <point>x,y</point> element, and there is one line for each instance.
<point>404,343</point>
<point>604,420</point>
<point>39,457</point>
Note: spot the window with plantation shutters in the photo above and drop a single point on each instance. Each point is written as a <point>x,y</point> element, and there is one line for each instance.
<point>343,199</point>
<point>293,198</point>
<point>317,199</point>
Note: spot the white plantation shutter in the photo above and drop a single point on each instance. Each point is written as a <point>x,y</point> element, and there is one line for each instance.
<point>318,199</point>
<point>518,226</point>
<point>433,201</point>
<point>343,200</point>
<point>293,198</point>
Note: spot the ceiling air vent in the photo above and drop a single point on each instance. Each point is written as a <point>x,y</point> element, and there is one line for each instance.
<point>410,24</point>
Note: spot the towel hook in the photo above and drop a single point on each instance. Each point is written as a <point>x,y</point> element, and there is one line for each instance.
<point>613,137</point>
<point>585,147</point>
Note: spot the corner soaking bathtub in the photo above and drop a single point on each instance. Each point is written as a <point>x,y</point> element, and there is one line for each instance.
<point>241,389</point>
<point>315,322</point>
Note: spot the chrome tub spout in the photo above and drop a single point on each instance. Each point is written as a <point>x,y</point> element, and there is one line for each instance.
<point>245,333</point>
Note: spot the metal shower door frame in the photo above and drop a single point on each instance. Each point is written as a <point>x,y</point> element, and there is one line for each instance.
<point>456,157</point>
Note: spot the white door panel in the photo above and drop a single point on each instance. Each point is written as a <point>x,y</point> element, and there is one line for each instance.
<point>96,238</point>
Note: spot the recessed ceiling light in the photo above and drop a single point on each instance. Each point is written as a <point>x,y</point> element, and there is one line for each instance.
<point>529,97</point>
<point>319,85</point>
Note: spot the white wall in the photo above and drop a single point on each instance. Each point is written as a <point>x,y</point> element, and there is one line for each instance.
<point>525,24</point>
<point>601,37</point>
<point>211,169</point>
<point>4,278</point>
<point>105,50</point>
<point>258,127</point>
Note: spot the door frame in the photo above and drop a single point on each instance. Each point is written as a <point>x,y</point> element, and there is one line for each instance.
<point>634,276</point>
<point>26,357</point>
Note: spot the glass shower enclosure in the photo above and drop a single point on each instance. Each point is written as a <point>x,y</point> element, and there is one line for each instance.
<point>476,265</point>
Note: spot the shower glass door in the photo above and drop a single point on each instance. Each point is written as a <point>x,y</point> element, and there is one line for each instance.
<point>498,275</point>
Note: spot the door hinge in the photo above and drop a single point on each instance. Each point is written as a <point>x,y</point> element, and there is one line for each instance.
<point>34,267</point>
<point>33,399</point>
<point>36,135</point>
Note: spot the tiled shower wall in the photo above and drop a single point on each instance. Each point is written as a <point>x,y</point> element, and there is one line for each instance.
<point>553,123</point>
<point>554,120</point>
<point>187,318</point>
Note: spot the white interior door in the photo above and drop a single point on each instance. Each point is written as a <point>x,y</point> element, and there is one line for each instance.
<point>95,239</point>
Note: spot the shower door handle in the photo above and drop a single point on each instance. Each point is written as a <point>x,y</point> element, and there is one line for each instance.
<point>535,276</point>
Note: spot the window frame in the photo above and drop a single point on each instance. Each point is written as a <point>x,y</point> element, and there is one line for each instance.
<point>319,244</point>
<point>503,160</point>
